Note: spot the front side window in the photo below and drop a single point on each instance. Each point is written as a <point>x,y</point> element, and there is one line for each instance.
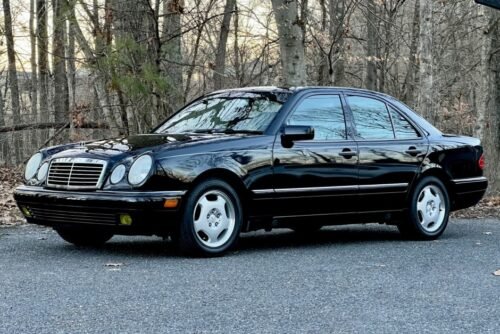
<point>324,113</point>
<point>220,113</point>
<point>371,118</point>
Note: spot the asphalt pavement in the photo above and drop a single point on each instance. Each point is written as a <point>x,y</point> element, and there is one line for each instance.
<point>349,279</point>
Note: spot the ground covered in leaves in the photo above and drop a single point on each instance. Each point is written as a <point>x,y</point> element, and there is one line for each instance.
<point>9,179</point>
<point>12,177</point>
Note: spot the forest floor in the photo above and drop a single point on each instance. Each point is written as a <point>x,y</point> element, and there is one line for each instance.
<point>10,178</point>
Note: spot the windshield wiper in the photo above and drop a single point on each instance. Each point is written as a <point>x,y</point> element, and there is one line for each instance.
<point>225,131</point>
<point>229,131</point>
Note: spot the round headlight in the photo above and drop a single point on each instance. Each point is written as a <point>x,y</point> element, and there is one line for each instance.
<point>140,169</point>
<point>32,166</point>
<point>117,174</point>
<point>42,171</point>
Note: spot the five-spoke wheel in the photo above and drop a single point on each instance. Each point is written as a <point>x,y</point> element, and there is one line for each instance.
<point>212,219</point>
<point>428,210</point>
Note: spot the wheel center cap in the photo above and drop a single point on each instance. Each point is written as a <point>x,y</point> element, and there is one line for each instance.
<point>431,207</point>
<point>213,218</point>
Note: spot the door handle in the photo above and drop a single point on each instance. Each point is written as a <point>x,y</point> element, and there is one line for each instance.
<point>413,151</point>
<point>347,153</point>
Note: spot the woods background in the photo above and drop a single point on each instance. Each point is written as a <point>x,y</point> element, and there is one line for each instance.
<point>72,70</point>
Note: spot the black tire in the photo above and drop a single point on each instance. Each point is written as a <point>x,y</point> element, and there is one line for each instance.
<point>84,237</point>
<point>195,243</point>
<point>419,224</point>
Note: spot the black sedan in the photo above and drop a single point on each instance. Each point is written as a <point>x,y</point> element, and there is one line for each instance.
<point>258,158</point>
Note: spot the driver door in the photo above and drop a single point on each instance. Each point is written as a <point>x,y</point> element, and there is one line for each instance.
<point>318,176</point>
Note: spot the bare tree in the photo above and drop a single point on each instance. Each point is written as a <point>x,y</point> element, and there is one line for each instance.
<point>291,42</point>
<point>11,55</point>
<point>220,57</point>
<point>34,76</point>
<point>171,59</point>
<point>425,59</point>
<point>371,46</point>
<point>42,54</point>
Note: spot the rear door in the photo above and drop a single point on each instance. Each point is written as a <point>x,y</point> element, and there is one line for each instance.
<point>391,151</point>
<point>319,176</point>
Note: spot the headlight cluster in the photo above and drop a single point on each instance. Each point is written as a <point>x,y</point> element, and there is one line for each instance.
<point>33,168</point>
<point>137,174</point>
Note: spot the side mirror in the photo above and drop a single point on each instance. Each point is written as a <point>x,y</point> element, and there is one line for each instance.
<point>490,3</point>
<point>291,133</point>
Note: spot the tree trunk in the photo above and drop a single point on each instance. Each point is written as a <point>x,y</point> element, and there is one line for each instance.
<point>220,57</point>
<point>61,94</point>
<point>43,64</point>
<point>371,43</point>
<point>410,83</point>
<point>487,125</point>
<point>171,50</point>
<point>11,56</point>
<point>237,63</point>
<point>292,53</point>
<point>337,17</point>
<point>426,92</point>
<point>2,106</point>
<point>34,76</point>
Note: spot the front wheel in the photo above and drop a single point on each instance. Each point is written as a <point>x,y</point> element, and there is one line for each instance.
<point>85,237</point>
<point>212,219</point>
<point>428,212</point>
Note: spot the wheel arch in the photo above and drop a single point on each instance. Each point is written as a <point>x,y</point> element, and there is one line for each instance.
<point>228,176</point>
<point>441,175</point>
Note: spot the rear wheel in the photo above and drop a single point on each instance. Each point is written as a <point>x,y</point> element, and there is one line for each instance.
<point>428,212</point>
<point>84,236</point>
<point>212,219</point>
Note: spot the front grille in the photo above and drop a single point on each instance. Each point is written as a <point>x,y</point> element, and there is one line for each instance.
<point>72,215</point>
<point>77,173</point>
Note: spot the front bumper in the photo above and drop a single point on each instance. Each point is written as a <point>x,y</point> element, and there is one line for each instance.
<point>100,208</point>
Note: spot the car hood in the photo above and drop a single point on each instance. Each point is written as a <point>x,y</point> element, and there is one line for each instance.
<point>136,144</point>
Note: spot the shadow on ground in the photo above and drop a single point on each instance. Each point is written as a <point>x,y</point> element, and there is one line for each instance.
<point>253,242</point>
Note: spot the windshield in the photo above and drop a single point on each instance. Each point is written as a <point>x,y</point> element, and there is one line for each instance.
<point>245,113</point>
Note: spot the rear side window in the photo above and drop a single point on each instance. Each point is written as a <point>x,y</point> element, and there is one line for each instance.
<point>324,113</point>
<point>371,118</point>
<point>402,128</point>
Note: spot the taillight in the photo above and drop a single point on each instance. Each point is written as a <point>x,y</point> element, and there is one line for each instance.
<point>481,162</point>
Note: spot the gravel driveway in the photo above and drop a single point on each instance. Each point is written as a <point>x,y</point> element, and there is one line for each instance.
<point>351,279</point>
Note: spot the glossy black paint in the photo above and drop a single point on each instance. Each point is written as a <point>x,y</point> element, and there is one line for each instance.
<point>276,178</point>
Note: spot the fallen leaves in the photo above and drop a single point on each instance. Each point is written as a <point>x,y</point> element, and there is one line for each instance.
<point>487,207</point>
<point>114,266</point>
<point>9,179</point>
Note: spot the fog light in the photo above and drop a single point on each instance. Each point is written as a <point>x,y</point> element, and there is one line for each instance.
<point>26,211</point>
<point>171,203</point>
<point>125,220</point>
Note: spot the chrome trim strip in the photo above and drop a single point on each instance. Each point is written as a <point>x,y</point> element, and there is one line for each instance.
<point>315,189</point>
<point>383,186</point>
<point>332,188</point>
<point>170,193</point>
<point>470,180</point>
<point>263,191</point>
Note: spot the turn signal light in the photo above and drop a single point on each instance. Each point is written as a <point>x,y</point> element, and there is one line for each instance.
<point>171,203</point>
<point>481,162</point>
